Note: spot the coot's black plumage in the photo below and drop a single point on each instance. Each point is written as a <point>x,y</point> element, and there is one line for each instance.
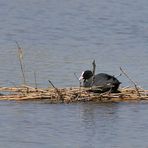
<point>102,82</point>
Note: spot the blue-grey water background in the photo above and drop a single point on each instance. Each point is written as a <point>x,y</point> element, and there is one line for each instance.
<point>60,38</point>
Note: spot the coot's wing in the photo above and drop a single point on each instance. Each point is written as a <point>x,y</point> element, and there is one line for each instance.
<point>103,80</point>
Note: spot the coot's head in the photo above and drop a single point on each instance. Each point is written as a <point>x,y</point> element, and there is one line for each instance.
<point>86,75</point>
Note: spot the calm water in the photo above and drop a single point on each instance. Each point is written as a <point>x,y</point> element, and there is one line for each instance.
<point>60,38</point>
<point>39,125</point>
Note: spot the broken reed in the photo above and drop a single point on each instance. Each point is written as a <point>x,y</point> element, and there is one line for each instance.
<point>136,88</point>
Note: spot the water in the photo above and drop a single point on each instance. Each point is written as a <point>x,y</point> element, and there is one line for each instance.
<point>87,125</point>
<point>61,38</point>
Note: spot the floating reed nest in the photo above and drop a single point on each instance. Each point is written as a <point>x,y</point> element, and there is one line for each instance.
<point>69,95</point>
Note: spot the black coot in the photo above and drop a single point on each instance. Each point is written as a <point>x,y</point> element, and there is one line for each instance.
<point>102,82</point>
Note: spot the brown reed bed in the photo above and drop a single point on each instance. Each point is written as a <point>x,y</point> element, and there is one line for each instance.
<point>69,95</point>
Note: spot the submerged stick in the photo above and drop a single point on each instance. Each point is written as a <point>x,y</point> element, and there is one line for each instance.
<point>57,90</point>
<point>136,88</point>
<point>20,55</point>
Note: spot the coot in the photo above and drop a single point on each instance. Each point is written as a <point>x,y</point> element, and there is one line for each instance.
<point>101,82</point>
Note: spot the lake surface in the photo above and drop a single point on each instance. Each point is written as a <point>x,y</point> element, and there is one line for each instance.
<point>86,125</point>
<point>61,38</point>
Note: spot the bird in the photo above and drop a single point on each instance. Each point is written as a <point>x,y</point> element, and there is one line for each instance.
<point>101,82</point>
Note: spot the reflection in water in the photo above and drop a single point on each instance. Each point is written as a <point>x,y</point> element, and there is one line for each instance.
<point>85,125</point>
<point>97,120</point>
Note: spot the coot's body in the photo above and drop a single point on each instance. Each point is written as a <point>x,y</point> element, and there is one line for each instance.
<point>102,82</point>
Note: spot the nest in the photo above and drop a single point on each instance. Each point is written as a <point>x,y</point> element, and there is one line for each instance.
<point>69,95</point>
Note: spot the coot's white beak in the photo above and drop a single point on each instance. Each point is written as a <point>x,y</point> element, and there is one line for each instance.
<point>81,77</point>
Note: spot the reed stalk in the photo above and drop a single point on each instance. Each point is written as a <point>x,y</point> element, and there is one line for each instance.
<point>20,57</point>
<point>136,88</point>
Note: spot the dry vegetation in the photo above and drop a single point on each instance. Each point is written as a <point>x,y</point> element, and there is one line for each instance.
<point>68,95</point>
